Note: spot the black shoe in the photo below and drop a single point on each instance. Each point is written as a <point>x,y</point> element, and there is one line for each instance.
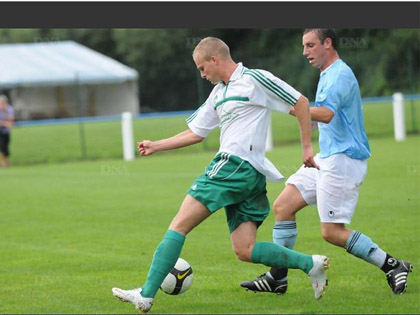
<point>397,277</point>
<point>265,283</point>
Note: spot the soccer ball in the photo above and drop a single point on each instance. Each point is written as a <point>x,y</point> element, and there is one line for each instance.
<point>179,279</point>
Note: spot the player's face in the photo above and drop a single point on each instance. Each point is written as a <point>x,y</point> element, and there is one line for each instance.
<point>208,68</point>
<point>314,50</point>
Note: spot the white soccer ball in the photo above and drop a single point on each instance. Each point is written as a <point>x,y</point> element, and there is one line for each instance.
<point>179,279</point>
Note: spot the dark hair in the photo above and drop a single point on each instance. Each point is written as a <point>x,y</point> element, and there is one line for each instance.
<point>323,34</point>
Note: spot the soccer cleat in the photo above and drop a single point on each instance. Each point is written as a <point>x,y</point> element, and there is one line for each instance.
<point>318,274</point>
<point>142,304</point>
<point>397,277</point>
<point>266,283</point>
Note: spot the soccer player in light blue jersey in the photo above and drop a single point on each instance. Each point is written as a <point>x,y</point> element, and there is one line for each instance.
<point>342,161</point>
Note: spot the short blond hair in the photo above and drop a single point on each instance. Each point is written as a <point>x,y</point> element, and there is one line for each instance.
<point>212,46</point>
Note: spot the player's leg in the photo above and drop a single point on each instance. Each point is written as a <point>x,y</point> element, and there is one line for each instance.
<point>338,192</point>
<point>191,214</point>
<point>285,207</point>
<point>247,249</point>
<point>300,191</point>
<point>273,255</point>
<point>194,209</point>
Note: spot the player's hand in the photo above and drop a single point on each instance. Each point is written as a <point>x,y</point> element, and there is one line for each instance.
<point>145,147</point>
<point>308,158</point>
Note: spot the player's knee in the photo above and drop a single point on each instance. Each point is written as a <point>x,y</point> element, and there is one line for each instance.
<point>335,233</point>
<point>242,253</point>
<point>179,227</point>
<point>331,236</point>
<point>281,209</point>
<point>328,236</point>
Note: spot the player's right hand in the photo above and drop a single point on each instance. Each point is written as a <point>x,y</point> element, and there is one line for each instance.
<point>145,147</point>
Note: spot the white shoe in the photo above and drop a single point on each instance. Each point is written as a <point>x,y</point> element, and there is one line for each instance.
<point>318,274</point>
<point>142,304</point>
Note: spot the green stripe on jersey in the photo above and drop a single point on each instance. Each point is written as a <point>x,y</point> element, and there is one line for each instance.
<point>231,98</point>
<point>193,115</point>
<point>272,86</point>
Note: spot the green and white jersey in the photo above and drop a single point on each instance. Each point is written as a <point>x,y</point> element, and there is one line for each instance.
<point>241,108</point>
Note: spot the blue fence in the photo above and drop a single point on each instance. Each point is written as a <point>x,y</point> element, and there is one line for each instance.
<point>366,100</point>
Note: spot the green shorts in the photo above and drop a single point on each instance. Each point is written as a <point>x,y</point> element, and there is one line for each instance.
<point>235,184</point>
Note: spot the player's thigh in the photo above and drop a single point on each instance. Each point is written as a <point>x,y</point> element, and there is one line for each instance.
<point>288,203</point>
<point>338,188</point>
<point>253,207</point>
<point>191,213</point>
<point>305,181</point>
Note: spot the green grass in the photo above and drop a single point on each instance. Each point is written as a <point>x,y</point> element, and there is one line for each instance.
<point>61,143</point>
<point>72,231</point>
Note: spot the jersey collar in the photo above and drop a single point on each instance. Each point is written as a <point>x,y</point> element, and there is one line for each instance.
<point>330,66</point>
<point>238,72</point>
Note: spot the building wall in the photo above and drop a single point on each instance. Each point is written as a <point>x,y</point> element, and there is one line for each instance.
<point>72,101</point>
<point>34,103</point>
<point>114,99</point>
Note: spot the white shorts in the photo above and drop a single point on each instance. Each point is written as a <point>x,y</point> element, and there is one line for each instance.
<point>334,188</point>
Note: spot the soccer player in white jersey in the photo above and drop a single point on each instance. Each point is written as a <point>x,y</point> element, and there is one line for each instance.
<point>334,187</point>
<point>235,179</point>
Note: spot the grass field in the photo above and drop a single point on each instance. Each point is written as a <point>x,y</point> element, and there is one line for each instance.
<point>72,231</point>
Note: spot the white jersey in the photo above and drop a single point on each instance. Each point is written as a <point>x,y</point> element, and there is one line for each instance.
<point>241,108</point>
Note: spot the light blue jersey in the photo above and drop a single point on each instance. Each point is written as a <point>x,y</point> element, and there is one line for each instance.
<point>338,90</point>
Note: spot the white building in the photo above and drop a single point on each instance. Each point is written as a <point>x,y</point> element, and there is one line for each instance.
<point>65,79</point>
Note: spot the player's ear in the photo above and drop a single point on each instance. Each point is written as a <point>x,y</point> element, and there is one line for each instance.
<point>328,43</point>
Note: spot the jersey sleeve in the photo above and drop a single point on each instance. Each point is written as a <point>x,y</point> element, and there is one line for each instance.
<point>273,92</point>
<point>204,119</point>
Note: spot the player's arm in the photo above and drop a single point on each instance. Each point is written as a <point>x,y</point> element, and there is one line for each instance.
<point>183,139</point>
<point>303,115</point>
<point>319,113</point>
<point>282,97</point>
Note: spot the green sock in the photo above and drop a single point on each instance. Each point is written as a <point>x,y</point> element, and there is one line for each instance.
<point>274,255</point>
<point>164,259</point>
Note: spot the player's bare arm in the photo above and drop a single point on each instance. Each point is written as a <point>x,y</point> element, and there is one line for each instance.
<point>183,139</point>
<point>303,115</point>
<point>320,113</point>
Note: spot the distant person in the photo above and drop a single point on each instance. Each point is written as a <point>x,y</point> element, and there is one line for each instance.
<point>334,187</point>
<point>6,123</point>
<point>235,179</point>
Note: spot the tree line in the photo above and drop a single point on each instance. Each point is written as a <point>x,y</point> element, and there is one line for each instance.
<point>383,60</point>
